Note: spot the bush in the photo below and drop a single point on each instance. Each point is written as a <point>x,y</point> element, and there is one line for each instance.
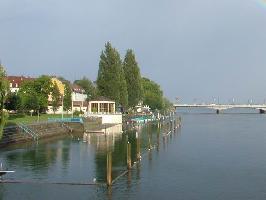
<point>77,113</point>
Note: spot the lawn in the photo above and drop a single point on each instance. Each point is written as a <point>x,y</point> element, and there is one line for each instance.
<point>27,119</point>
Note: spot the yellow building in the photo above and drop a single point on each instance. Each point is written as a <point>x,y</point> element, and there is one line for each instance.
<point>78,97</point>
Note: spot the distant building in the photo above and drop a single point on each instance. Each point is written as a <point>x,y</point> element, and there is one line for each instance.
<point>61,88</point>
<point>16,81</point>
<point>78,97</point>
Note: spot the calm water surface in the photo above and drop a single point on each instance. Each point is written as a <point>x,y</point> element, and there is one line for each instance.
<point>209,157</point>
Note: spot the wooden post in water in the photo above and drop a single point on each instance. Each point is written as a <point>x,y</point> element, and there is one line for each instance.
<point>109,168</point>
<point>138,147</point>
<point>128,155</point>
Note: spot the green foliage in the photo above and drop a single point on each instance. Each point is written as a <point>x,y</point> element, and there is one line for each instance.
<point>152,94</point>
<point>123,90</point>
<point>133,79</point>
<point>77,113</point>
<point>4,89</point>
<point>55,94</point>
<point>111,79</point>
<point>63,80</point>
<point>43,86</point>
<point>167,106</point>
<point>34,94</point>
<point>67,97</point>
<point>12,102</point>
<point>88,86</point>
<point>28,97</point>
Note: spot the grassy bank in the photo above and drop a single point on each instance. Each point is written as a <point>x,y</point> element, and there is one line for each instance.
<point>26,119</point>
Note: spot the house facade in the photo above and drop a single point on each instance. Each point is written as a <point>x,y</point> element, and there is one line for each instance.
<point>78,95</point>
<point>78,98</point>
<point>16,82</point>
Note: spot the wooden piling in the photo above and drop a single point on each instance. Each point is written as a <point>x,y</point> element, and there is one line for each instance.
<point>138,147</point>
<point>109,169</point>
<point>129,155</point>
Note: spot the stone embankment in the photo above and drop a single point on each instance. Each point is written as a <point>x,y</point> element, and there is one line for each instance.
<point>24,133</point>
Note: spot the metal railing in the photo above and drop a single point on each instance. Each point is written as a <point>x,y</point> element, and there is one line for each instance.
<point>27,130</point>
<point>67,127</point>
<point>66,120</point>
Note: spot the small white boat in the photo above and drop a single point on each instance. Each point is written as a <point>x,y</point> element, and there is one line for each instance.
<point>5,172</point>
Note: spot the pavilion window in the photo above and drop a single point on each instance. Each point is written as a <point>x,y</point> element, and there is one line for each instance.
<point>94,107</point>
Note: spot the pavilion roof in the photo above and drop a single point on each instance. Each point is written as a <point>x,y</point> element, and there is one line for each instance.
<point>102,98</point>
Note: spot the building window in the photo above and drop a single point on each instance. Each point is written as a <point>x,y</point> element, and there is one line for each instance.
<point>94,107</point>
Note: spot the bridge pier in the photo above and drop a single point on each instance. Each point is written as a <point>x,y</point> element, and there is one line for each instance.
<point>217,111</point>
<point>262,111</point>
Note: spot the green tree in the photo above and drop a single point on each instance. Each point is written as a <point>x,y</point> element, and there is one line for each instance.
<point>29,97</point>
<point>67,97</point>
<point>67,93</point>
<point>55,95</point>
<point>4,89</point>
<point>167,105</point>
<point>12,102</point>
<point>133,78</point>
<point>111,79</point>
<point>43,87</point>
<point>88,86</point>
<point>123,90</point>
<point>34,94</point>
<point>152,94</point>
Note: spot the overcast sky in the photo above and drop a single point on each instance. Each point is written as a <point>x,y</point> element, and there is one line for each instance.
<point>196,50</point>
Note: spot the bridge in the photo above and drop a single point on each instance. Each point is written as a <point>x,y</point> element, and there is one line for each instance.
<point>220,107</point>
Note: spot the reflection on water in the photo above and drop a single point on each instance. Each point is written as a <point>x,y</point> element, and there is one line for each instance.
<point>81,158</point>
<point>104,138</point>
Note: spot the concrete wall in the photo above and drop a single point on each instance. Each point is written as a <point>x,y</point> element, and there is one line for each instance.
<point>14,134</point>
<point>108,118</point>
<point>59,111</point>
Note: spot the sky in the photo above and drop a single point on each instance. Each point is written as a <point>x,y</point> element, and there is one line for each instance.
<point>198,51</point>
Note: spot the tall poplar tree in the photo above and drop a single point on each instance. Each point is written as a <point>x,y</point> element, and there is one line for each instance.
<point>111,79</point>
<point>133,78</point>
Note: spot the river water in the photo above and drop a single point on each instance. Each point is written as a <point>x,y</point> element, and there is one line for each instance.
<point>210,157</point>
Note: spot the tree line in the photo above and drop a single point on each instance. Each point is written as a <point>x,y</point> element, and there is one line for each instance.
<point>121,81</point>
<point>33,96</point>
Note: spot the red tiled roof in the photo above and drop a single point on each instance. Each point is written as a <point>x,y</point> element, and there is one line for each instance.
<point>101,98</point>
<point>16,81</point>
<point>76,88</point>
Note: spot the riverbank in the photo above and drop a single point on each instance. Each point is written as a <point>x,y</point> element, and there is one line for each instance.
<point>14,119</point>
<point>34,132</point>
<point>26,128</point>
